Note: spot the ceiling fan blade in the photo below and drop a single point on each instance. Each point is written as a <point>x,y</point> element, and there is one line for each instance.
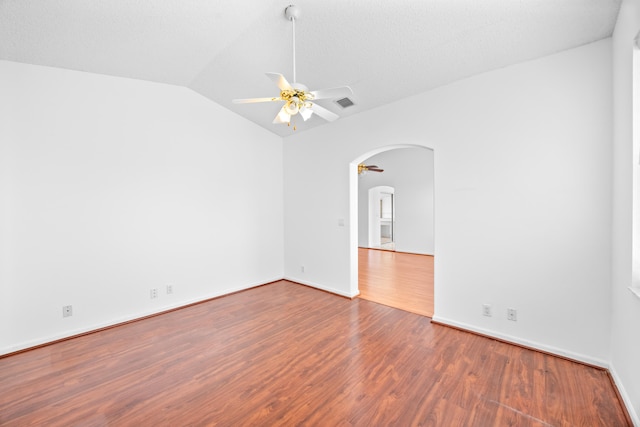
<point>335,92</point>
<point>283,116</point>
<point>279,79</point>
<point>370,166</point>
<point>324,113</point>
<point>375,170</point>
<point>252,100</point>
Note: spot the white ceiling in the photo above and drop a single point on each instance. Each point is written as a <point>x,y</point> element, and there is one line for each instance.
<point>385,50</point>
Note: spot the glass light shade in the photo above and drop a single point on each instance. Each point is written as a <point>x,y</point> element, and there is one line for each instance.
<point>283,116</point>
<point>292,106</point>
<point>306,113</point>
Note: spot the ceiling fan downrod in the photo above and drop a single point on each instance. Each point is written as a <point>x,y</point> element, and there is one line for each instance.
<point>292,12</point>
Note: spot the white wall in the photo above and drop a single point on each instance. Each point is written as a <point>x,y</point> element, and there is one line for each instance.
<point>111,187</point>
<point>625,346</point>
<point>410,172</point>
<point>522,188</point>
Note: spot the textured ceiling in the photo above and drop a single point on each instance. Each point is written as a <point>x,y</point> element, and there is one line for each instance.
<point>385,50</point>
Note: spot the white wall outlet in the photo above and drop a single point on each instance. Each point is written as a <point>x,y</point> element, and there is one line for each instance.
<point>169,289</point>
<point>512,314</point>
<point>486,310</point>
<point>154,293</point>
<point>302,268</point>
<point>67,311</point>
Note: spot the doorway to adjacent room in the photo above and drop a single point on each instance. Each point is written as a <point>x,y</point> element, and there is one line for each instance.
<point>395,229</point>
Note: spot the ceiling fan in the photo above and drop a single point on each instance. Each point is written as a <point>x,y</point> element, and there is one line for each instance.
<point>362,168</point>
<point>297,97</point>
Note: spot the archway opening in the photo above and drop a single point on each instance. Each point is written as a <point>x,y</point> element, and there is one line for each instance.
<point>394,208</point>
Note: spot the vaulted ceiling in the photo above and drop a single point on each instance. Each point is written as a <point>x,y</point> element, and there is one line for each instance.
<point>384,50</point>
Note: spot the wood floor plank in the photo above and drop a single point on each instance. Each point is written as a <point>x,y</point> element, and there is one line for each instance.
<point>397,279</point>
<point>285,354</point>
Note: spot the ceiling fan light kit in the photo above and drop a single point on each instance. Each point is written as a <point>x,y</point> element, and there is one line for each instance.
<point>298,99</point>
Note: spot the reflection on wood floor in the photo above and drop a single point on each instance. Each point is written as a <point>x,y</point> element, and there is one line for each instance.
<point>289,355</point>
<point>397,279</point>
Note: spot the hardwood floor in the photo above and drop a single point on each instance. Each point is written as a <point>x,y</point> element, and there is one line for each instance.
<point>397,279</point>
<point>285,354</point>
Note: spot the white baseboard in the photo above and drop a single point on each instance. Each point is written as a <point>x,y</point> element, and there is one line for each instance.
<point>526,343</point>
<point>322,287</point>
<point>124,319</point>
<point>626,400</point>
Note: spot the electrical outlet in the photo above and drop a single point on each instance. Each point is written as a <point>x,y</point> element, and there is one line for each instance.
<point>486,310</point>
<point>512,314</point>
<point>302,268</point>
<point>169,289</point>
<point>154,293</point>
<point>67,311</point>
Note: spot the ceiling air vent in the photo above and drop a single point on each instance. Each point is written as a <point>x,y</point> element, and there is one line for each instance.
<point>345,102</point>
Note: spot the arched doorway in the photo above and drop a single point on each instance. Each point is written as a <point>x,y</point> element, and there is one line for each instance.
<point>409,171</point>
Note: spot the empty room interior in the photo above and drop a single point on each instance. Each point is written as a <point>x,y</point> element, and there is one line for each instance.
<point>187,190</point>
